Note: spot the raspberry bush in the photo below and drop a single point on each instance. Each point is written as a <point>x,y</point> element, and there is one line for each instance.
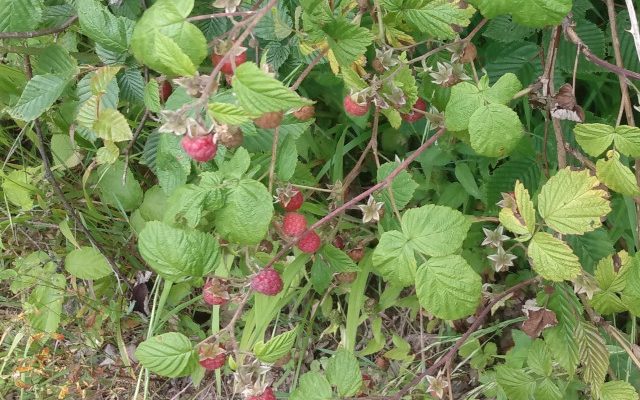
<point>305,199</point>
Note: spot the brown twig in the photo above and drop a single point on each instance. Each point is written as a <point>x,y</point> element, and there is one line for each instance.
<point>446,359</point>
<point>580,157</point>
<point>43,32</point>
<point>548,81</point>
<point>381,185</point>
<point>219,15</point>
<point>307,70</point>
<point>575,39</point>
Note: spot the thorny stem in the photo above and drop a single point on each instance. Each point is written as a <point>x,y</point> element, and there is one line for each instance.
<point>468,38</point>
<point>43,32</point>
<point>307,70</point>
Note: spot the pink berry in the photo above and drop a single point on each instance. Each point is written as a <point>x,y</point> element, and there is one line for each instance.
<point>294,202</point>
<point>309,243</point>
<point>227,67</point>
<point>200,148</point>
<point>353,108</point>
<point>294,224</point>
<point>266,395</point>
<point>213,293</point>
<point>212,356</point>
<point>267,281</point>
<point>165,90</point>
<point>413,116</point>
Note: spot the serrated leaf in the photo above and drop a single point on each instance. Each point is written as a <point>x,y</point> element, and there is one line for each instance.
<point>230,114</point>
<point>539,358</point>
<point>152,96</point>
<point>170,354</point>
<point>238,165</point>
<point>164,155</point>
<point>516,383</point>
<point>337,260</point>
<point>20,15</point>
<point>616,175</point>
<point>552,258</point>
<point>591,247</point>
<point>504,89</point>
<point>343,372</point>
<point>87,263</point>
<point>547,390</point>
<point>532,13</point>
<point>448,287</point>
<point>495,130</point>
<point>99,24</point>
<point>112,125</point>
<point>189,204</point>
<point>561,338</point>
<point>435,18</point>
<point>464,101</point>
<point>38,96</point>
<point>524,222</point>
<point>286,158</point>
<point>276,347</point>
<point>394,258</point>
<point>64,151</point>
<point>312,386</point>
<point>594,355</point>
<point>259,93</point>
<point>403,185</point>
<point>45,303</point>
<point>347,41</point>
<point>107,154</point>
<point>570,203</point>
<point>127,195</point>
<point>18,188</point>
<point>617,390</point>
<point>596,138</point>
<point>54,59</point>
<point>101,79</point>
<point>175,253</point>
<point>435,230</point>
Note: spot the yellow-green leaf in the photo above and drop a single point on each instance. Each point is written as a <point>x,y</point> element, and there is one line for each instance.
<point>112,125</point>
<point>616,175</point>
<point>552,258</point>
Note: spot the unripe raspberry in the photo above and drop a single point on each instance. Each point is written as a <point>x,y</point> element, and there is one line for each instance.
<point>200,148</point>
<point>269,120</point>
<point>305,113</point>
<point>309,243</point>
<point>267,281</point>
<point>353,108</point>
<point>212,356</point>
<point>294,224</point>
<point>227,66</point>
<point>414,116</point>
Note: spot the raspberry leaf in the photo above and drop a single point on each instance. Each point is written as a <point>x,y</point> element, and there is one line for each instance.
<point>170,354</point>
<point>552,258</point>
<point>343,372</point>
<point>276,347</point>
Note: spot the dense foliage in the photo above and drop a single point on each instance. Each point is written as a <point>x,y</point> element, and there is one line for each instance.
<point>307,199</point>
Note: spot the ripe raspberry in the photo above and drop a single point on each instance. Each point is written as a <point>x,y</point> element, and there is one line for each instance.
<point>305,113</point>
<point>212,356</point>
<point>291,201</point>
<point>294,224</point>
<point>200,148</point>
<point>165,90</point>
<point>414,116</point>
<point>266,395</point>
<point>215,293</point>
<point>353,108</point>
<point>338,242</point>
<point>227,67</point>
<point>309,243</point>
<point>269,120</point>
<point>267,282</point>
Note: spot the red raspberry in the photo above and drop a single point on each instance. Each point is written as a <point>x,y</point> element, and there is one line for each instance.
<point>214,293</point>
<point>309,243</point>
<point>165,90</point>
<point>338,242</point>
<point>292,203</point>
<point>227,67</point>
<point>212,356</point>
<point>414,116</point>
<point>267,281</point>
<point>266,395</point>
<point>294,224</point>
<point>353,108</point>
<point>269,120</point>
<point>200,148</point>
<point>305,113</point>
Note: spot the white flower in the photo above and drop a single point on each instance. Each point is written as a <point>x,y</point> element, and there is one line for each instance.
<point>584,284</point>
<point>371,210</point>
<point>437,385</point>
<point>228,5</point>
<point>501,260</point>
<point>494,238</point>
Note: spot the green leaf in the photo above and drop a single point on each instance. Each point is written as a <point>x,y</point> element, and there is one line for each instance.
<point>260,93</point>
<point>343,372</point>
<point>189,204</point>
<point>435,18</point>
<point>403,186</point>
<point>276,347</point>
<point>87,263</point>
<point>616,175</point>
<point>532,13</point>
<point>552,258</point>
<point>516,383</point>
<point>38,96</point>
<point>152,96</point>
<point>594,354</point>
<point>591,247</point>
<point>45,304</point>
<point>596,138</point>
<point>393,258</point>
<point>127,196</point>
<point>112,125</point>
<point>166,42</point>
<point>617,390</point>
<point>347,41</point>
<point>175,253</point>
<point>164,155</point>
<point>524,223</point>
<point>561,338</point>
<point>539,358</point>
<point>20,15</point>
<point>312,386</point>
<point>547,390</point>
<point>100,80</point>
<point>64,151</point>
<point>495,130</point>
<point>170,354</point>
<point>504,89</point>
<point>435,230</point>
<point>570,203</point>
<point>631,293</point>
<point>287,158</point>
<point>154,205</point>
<point>448,287</point>
<point>99,24</point>
<point>337,260</point>
<point>247,213</point>
<point>237,165</point>
<point>18,189</point>
<point>467,180</point>
<point>464,101</point>
<point>55,59</point>
<point>230,114</point>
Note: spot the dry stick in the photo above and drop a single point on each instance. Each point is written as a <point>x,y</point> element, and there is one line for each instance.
<point>635,30</point>
<point>548,78</point>
<point>274,149</point>
<point>446,359</point>
<point>624,89</point>
<point>136,133</point>
<point>381,185</point>
<point>43,32</point>
<point>307,70</point>
<point>575,39</point>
